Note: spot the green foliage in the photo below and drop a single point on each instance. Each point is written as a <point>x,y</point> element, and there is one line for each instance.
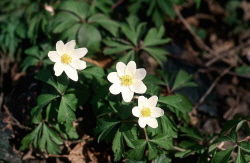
<point>36,56</point>
<point>134,43</point>
<point>82,17</point>
<point>43,137</point>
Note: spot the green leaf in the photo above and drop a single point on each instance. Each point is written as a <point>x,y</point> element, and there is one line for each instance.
<point>159,54</point>
<point>65,113</point>
<point>191,132</point>
<point>163,141</point>
<point>230,137</point>
<point>222,156</point>
<point>80,9</point>
<point>153,79</point>
<point>46,76</point>
<point>183,80</point>
<point>62,83</point>
<point>178,101</point>
<point>166,127</point>
<point>70,130</point>
<point>152,151</point>
<point>229,125</point>
<point>117,146</point>
<point>104,126</point>
<point>70,99</point>
<point>245,145</point>
<point>30,137</point>
<point>154,36</point>
<point>138,152</point>
<point>105,22</point>
<point>42,101</point>
<point>90,39</point>
<point>162,159</point>
<point>240,157</point>
<point>132,30</point>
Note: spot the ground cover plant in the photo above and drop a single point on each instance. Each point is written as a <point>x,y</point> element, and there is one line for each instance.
<point>131,81</point>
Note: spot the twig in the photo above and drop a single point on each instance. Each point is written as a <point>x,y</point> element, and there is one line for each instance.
<point>16,122</point>
<point>117,3</point>
<point>92,61</point>
<point>189,28</point>
<point>52,155</point>
<point>179,149</point>
<point>234,50</point>
<point>213,85</point>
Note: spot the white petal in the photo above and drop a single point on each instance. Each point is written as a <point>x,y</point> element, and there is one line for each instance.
<point>113,77</point>
<point>127,94</point>
<point>53,56</point>
<point>69,46</point>
<point>131,68</point>
<point>78,64</point>
<point>152,101</point>
<point>79,53</point>
<point>142,102</point>
<point>60,48</point>
<point>115,89</point>
<point>140,74</point>
<point>71,73</point>
<point>152,122</point>
<point>58,68</point>
<point>156,112</point>
<point>136,111</point>
<point>142,122</point>
<point>120,68</point>
<point>138,86</point>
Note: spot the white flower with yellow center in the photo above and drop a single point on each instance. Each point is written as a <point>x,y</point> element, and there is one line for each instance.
<point>147,111</point>
<point>127,80</point>
<point>68,59</point>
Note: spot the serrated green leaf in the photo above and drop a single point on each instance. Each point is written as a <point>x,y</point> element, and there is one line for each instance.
<point>138,152</point>
<point>162,159</point>
<point>65,113</point>
<point>70,130</point>
<point>105,22</point>
<point>104,126</point>
<point>222,156</point>
<point>154,37</point>
<point>159,54</point>
<point>152,151</point>
<point>80,9</point>
<point>30,137</point>
<point>240,157</point>
<point>245,145</point>
<point>191,132</point>
<point>183,80</point>
<point>117,146</point>
<point>163,141</point>
<point>178,101</point>
<point>90,39</point>
<point>230,137</point>
<point>153,79</point>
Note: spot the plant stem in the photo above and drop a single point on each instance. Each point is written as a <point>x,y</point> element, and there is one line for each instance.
<point>146,135</point>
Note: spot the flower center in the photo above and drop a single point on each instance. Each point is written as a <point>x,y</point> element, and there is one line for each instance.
<point>145,112</point>
<point>65,58</point>
<point>126,80</point>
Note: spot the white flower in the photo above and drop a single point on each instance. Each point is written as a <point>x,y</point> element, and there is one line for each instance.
<point>147,111</point>
<point>68,59</point>
<point>127,80</point>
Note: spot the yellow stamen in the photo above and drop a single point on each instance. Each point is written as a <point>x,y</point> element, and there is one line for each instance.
<point>145,112</point>
<point>126,80</point>
<point>65,58</point>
